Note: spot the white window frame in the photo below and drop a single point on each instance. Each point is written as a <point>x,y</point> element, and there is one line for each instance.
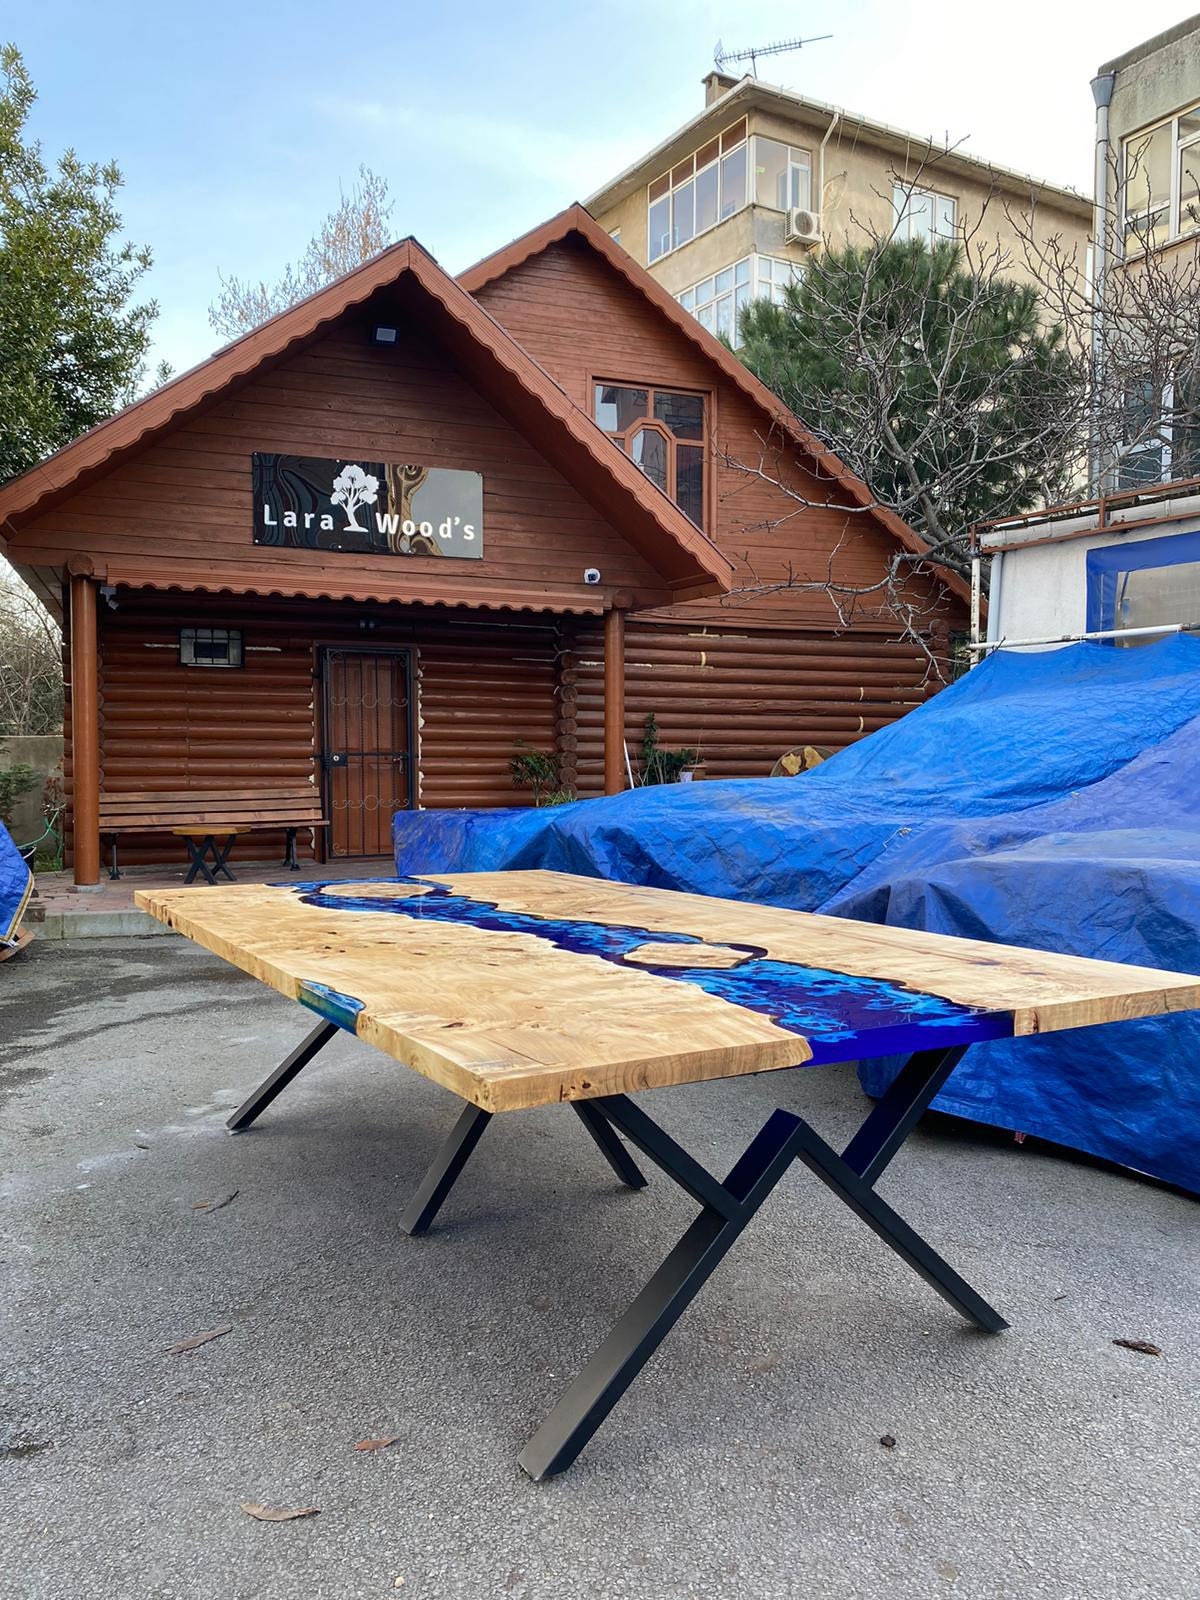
<point>712,294</point>
<point>1161,447</point>
<point>793,166</point>
<point>902,211</point>
<point>1175,228</point>
<point>718,161</point>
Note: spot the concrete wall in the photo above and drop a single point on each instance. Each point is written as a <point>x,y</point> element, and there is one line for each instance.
<point>1159,77</point>
<point>42,752</point>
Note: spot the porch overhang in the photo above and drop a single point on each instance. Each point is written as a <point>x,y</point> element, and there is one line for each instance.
<point>415,589</point>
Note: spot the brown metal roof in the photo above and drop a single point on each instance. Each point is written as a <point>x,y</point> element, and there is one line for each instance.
<point>689,562</point>
<point>577,221</point>
<point>266,580</point>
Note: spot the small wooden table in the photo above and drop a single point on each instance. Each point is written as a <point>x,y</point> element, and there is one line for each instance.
<point>200,842</point>
<point>524,989</point>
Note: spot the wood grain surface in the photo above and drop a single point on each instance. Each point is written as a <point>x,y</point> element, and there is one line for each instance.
<point>508,1019</point>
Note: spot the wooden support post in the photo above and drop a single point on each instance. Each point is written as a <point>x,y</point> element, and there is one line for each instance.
<point>85,732</point>
<point>614,701</point>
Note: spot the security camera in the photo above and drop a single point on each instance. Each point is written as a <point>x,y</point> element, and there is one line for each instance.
<point>591,574</point>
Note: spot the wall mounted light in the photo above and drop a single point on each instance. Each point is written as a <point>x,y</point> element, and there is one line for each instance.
<point>382,335</point>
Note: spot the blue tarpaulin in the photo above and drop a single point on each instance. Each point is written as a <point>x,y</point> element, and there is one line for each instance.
<point>16,885</point>
<point>1047,799</point>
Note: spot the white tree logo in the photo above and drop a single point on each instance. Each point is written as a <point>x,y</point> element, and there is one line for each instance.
<point>353,488</point>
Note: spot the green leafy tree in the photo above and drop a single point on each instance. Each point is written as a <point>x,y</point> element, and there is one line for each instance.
<point>353,232</point>
<point>72,345</point>
<point>938,380</point>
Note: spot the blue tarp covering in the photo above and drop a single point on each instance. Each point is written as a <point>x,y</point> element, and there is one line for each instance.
<point>16,884</point>
<point>1045,799</point>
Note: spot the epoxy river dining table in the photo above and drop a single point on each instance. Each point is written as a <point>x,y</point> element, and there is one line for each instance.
<point>522,989</point>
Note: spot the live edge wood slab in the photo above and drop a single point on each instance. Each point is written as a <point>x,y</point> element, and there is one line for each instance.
<point>519,989</point>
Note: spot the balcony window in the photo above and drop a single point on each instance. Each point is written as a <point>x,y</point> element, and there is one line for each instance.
<point>1160,182</point>
<point>782,175</point>
<point>663,431</point>
<point>697,193</point>
<point>773,275</point>
<point>922,214</point>
<point>717,302</point>
<point>733,181</point>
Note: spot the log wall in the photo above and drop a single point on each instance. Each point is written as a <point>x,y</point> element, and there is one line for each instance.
<point>739,698</point>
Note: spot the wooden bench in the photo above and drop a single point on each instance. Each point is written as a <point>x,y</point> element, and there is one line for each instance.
<point>202,816</point>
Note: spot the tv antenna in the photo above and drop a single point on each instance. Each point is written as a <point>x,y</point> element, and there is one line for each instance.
<point>724,58</point>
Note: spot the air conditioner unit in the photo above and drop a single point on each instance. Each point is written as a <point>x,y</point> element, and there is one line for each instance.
<point>803,227</point>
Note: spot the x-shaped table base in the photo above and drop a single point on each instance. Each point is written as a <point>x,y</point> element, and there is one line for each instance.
<point>725,1210</point>
<point>220,844</point>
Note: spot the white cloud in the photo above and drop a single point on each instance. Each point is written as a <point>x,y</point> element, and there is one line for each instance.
<point>550,154</point>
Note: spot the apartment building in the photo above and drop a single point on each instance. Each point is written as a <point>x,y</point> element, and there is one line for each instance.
<point>1124,568</point>
<point>1148,223</point>
<point>731,206</point>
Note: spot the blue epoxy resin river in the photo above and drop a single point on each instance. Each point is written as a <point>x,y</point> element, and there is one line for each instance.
<point>838,1014</point>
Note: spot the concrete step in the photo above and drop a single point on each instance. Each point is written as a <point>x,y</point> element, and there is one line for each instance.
<point>99,925</point>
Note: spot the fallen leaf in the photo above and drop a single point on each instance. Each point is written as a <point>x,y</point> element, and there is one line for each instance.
<point>377,1444</point>
<point>277,1513</point>
<point>197,1339</point>
<point>1142,1346</point>
<point>888,1442</point>
<point>215,1205</point>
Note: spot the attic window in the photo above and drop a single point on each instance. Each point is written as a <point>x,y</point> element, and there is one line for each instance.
<point>210,647</point>
<point>663,430</point>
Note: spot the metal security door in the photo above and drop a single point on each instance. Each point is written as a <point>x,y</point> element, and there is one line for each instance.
<point>367,755</point>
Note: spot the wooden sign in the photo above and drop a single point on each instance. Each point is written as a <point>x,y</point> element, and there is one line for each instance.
<point>370,507</point>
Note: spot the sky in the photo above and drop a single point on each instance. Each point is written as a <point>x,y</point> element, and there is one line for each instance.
<point>236,125</point>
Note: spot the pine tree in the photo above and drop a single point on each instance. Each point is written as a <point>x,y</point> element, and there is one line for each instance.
<point>945,388</point>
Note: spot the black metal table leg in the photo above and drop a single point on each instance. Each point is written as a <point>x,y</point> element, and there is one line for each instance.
<point>726,1210</point>
<point>221,855</point>
<point>445,1169</point>
<point>894,1231</point>
<point>638,1334</point>
<point>281,1077</point>
<point>199,865</point>
<point>899,1110</point>
<point>611,1148</point>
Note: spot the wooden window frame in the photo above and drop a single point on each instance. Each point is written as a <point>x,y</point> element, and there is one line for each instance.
<point>652,388</point>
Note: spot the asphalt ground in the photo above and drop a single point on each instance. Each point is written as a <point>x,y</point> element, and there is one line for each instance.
<point>746,1462</point>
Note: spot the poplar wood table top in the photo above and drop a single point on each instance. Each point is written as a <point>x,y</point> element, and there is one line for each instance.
<point>516,989</point>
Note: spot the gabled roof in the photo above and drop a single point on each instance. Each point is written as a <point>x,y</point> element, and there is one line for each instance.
<point>689,562</point>
<point>579,223</point>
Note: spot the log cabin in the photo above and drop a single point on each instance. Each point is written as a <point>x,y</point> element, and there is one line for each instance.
<point>364,550</point>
